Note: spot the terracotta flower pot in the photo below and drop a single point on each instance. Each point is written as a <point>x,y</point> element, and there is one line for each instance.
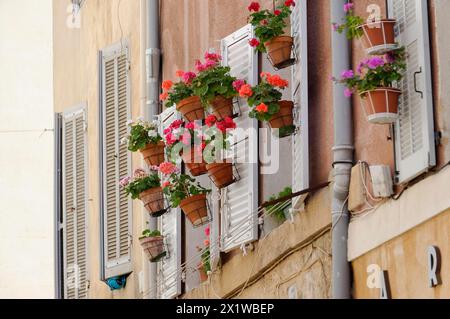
<point>284,119</point>
<point>153,200</point>
<point>202,273</point>
<point>154,153</point>
<point>153,247</point>
<point>195,209</point>
<point>221,174</point>
<point>279,50</point>
<point>191,108</point>
<point>222,107</point>
<point>195,164</point>
<point>381,105</point>
<point>379,37</point>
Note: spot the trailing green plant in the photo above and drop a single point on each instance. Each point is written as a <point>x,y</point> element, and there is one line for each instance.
<point>140,182</point>
<point>206,252</point>
<point>352,23</point>
<point>268,24</point>
<point>375,72</point>
<point>150,233</point>
<point>213,80</point>
<point>276,210</point>
<point>141,134</point>
<point>179,186</point>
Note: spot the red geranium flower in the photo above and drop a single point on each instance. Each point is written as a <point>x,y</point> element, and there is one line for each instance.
<point>262,108</point>
<point>254,6</point>
<point>211,120</point>
<point>176,124</point>
<point>289,3</point>
<point>254,42</point>
<point>277,12</point>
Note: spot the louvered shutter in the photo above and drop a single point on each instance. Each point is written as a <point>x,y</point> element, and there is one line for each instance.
<point>414,131</point>
<point>299,86</point>
<point>116,163</point>
<point>75,204</point>
<point>239,210</point>
<point>169,270</point>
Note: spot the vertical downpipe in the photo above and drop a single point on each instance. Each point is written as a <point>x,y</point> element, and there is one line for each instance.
<point>343,160</point>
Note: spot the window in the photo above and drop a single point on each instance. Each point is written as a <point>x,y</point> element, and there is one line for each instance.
<point>115,162</point>
<point>414,131</point>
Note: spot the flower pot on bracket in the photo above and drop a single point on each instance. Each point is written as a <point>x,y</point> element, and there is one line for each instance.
<point>381,105</point>
<point>202,273</point>
<point>153,200</point>
<point>221,174</point>
<point>379,37</point>
<point>279,51</point>
<point>222,107</point>
<point>195,165</point>
<point>154,248</point>
<point>154,153</point>
<point>284,119</point>
<point>195,209</point>
<point>191,108</point>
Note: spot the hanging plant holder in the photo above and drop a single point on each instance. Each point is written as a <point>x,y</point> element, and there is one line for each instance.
<point>154,248</point>
<point>223,174</point>
<point>196,209</point>
<point>153,153</point>
<point>379,37</point>
<point>222,107</point>
<point>195,165</point>
<point>284,119</point>
<point>202,274</point>
<point>279,52</point>
<point>191,108</point>
<point>154,201</point>
<point>381,105</point>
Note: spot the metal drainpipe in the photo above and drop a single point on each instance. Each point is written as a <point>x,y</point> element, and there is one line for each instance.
<point>153,78</point>
<point>343,160</point>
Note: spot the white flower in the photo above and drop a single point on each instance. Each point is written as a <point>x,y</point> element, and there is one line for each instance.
<point>124,140</point>
<point>152,133</point>
<point>129,122</point>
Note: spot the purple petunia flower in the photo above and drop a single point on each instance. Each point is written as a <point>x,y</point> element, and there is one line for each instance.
<point>348,74</point>
<point>348,7</point>
<point>375,62</point>
<point>348,92</point>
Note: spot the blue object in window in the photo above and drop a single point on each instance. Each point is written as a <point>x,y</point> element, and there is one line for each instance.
<point>116,283</point>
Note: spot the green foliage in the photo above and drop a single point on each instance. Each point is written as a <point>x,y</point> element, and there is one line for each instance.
<point>268,25</point>
<point>214,82</point>
<point>150,233</point>
<point>352,26</point>
<point>206,262</point>
<point>139,185</point>
<point>141,134</point>
<point>267,94</point>
<point>182,186</point>
<point>180,91</point>
<point>274,210</point>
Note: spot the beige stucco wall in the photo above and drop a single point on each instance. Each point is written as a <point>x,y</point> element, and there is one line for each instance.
<point>103,23</point>
<point>26,156</point>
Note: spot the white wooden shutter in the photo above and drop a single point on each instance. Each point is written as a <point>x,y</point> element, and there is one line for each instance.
<point>169,269</point>
<point>240,200</point>
<point>299,85</point>
<point>117,229</point>
<point>414,131</point>
<point>75,204</point>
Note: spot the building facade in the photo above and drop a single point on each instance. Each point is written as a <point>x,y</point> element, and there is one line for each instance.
<point>102,69</point>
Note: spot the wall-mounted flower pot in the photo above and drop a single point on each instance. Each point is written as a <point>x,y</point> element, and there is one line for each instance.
<point>154,248</point>
<point>153,200</point>
<point>202,273</point>
<point>195,209</point>
<point>283,120</point>
<point>191,108</point>
<point>221,174</point>
<point>154,153</point>
<point>195,165</point>
<point>279,51</point>
<point>381,105</point>
<point>379,37</point>
<point>222,107</point>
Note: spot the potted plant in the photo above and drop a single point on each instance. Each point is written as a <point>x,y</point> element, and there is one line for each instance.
<point>216,139</point>
<point>185,140</point>
<point>373,81</point>
<point>214,86</point>
<point>377,36</point>
<point>146,187</point>
<point>267,106</point>
<point>144,137</point>
<point>278,211</point>
<point>182,95</point>
<point>204,267</point>
<point>183,192</point>
<point>269,31</point>
<point>153,244</point>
